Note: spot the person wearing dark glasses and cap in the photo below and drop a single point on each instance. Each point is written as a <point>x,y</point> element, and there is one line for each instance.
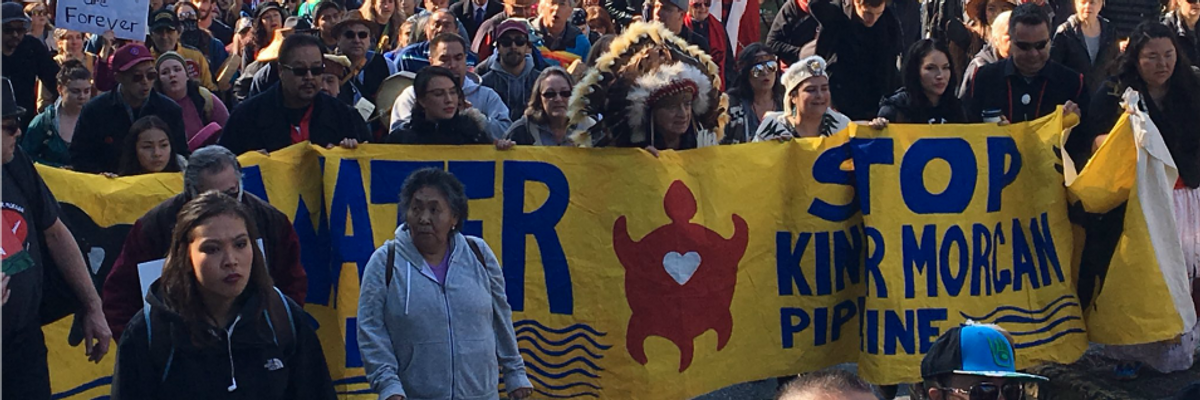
<point>294,110</point>
<point>974,362</point>
<point>164,37</point>
<point>1027,85</point>
<point>35,61</point>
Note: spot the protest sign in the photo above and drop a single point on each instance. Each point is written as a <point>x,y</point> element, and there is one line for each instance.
<point>632,276</point>
<point>126,18</point>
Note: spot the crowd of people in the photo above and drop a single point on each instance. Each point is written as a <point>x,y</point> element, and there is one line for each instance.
<point>217,78</point>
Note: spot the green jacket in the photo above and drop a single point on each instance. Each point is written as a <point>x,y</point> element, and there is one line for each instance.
<point>42,141</point>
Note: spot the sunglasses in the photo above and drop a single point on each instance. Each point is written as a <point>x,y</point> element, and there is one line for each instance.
<point>10,130</point>
<point>359,34</point>
<point>1034,46</point>
<point>148,76</point>
<point>988,391</point>
<point>14,30</point>
<point>764,68</point>
<point>566,94</point>
<point>508,41</point>
<point>300,71</point>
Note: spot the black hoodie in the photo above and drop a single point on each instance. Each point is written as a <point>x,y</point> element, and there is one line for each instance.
<point>263,369</point>
<point>901,108</point>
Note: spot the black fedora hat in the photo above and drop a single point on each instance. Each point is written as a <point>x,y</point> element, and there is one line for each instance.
<point>9,107</point>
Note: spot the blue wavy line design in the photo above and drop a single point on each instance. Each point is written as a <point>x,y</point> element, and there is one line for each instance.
<point>1018,309</point>
<point>568,329</point>
<point>1048,327</point>
<point>95,383</point>
<point>567,396</point>
<point>565,364</point>
<point>546,385</point>
<point>568,373</point>
<point>559,353</point>
<point>1056,336</point>
<point>1017,319</point>
<point>569,339</point>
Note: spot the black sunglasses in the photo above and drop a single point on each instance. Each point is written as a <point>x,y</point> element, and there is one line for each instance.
<point>989,391</point>
<point>506,42</point>
<point>1034,46</point>
<point>149,76</point>
<point>360,34</point>
<point>300,71</point>
<point>566,94</point>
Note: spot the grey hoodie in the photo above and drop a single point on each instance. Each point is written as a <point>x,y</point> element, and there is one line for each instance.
<point>513,89</point>
<point>426,341</point>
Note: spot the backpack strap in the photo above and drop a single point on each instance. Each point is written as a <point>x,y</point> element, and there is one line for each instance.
<point>475,249</point>
<point>391,260</point>
<point>161,343</point>
<point>278,313</point>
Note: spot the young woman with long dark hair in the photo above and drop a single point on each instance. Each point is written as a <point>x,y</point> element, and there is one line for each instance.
<point>928,72</point>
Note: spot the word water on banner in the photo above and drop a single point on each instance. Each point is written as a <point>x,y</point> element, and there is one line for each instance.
<point>126,18</point>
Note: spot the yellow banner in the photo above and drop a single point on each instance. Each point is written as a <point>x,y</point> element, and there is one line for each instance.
<point>632,276</point>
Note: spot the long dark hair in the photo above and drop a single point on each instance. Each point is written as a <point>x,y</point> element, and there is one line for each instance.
<point>745,63</point>
<point>129,164</point>
<point>1182,85</point>
<point>911,71</point>
<point>179,287</point>
<point>421,85</point>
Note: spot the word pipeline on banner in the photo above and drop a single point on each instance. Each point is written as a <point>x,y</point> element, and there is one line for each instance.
<point>125,18</point>
<point>642,277</point>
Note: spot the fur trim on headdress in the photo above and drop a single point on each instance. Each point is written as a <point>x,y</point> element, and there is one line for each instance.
<point>666,81</point>
<point>644,50</point>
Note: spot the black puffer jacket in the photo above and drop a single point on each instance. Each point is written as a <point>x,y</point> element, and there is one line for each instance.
<point>245,363</point>
<point>465,128</point>
<point>793,30</point>
<point>901,108</point>
<point>1070,50</point>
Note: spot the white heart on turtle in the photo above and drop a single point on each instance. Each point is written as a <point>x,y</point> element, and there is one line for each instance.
<point>681,267</point>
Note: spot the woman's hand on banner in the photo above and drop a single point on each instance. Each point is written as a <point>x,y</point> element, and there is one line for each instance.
<point>504,144</point>
<point>878,123</point>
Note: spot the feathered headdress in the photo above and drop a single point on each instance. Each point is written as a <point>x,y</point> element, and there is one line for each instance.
<point>646,63</point>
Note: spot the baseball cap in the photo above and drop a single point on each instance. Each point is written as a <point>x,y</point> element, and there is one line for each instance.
<point>298,24</point>
<point>163,18</point>
<point>978,350</point>
<point>129,55</point>
<point>510,24</point>
<point>9,102</point>
<point>268,6</point>
<point>13,11</point>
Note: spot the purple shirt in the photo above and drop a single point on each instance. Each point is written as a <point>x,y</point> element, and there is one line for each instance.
<point>439,270</point>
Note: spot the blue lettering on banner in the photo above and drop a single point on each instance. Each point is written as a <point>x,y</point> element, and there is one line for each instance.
<point>349,207</point>
<point>867,152</point>
<point>963,173</point>
<point>877,248</point>
<point>921,257</point>
<point>787,263</point>
<point>954,282</point>
<point>828,169</point>
<point>832,270</point>
<point>981,264</point>
<point>999,149</point>
<point>540,223</point>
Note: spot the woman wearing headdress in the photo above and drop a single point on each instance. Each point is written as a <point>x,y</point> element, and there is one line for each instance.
<point>806,111</point>
<point>651,90</point>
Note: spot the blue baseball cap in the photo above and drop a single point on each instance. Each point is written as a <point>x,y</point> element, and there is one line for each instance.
<point>978,350</point>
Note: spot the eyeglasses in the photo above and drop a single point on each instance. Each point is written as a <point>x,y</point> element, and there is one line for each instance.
<point>352,34</point>
<point>764,68</point>
<point>10,129</point>
<point>148,76</point>
<point>510,41</point>
<point>1034,46</point>
<point>988,391</point>
<point>187,15</point>
<point>301,71</point>
<point>37,12</point>
<point>11,30</point>
<point>549,95</point>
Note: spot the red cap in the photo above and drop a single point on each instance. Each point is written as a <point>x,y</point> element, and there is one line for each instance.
<point>129,55</point>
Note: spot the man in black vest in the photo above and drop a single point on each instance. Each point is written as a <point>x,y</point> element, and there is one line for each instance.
<point>1027,85</point>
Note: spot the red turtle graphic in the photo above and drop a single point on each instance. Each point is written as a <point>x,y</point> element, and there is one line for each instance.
<point>679,279</point>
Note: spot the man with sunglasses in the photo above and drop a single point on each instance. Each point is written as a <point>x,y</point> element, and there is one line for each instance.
<point>483,42</point>
<point>1028,84</point>
<point>105,120</point>
<point>973,362</point>
<point>26,60</point>
<point>513,72</point>
<point>368,69</point>
<point>295,109</point>
<point>210,168</point>
<point>34,238</point>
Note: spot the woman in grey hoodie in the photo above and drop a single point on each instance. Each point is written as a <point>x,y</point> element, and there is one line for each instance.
<point>433,319</point>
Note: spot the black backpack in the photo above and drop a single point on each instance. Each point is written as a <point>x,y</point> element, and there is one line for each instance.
<point>277,312</point>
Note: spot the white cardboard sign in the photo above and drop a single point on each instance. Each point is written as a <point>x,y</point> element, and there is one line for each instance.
<point>126,18</point>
